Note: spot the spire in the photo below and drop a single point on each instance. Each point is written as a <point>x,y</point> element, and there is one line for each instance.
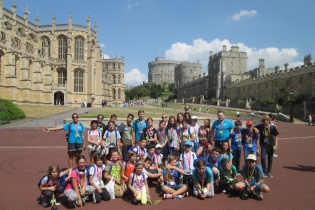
<point>26,13</point>
<point>88,22</point>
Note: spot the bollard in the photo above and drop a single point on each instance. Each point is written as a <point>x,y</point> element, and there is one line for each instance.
<point>36,124</point>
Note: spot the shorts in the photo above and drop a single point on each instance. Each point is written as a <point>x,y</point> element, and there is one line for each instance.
<point>75,147</point>
<point>175,187</point>
<point>254,183</point>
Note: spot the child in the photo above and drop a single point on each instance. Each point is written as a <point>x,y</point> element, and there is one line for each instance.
<point>125,130</point>
<point>195,129</point>
<point>204,151</point>
<point>129,165</point>
<point>138,184</point>
<point>158,156</point>
<point>226,151</point>
<point>186,134</point>
<point>250,140</point>
<point>236,144</point>
<point>100,125</point>
<point>77,188</point>
<point>215,163</point>
<point>114,171</point>
<point>162,140</point>
<point>204,134</point>
<point>227,176</point>
<point>187,159</point>
<point>172,135</point>
<point>150,133</point>
<point>111,136</point>
<point>171,175</point>
<point>113,118</point>
<point>152,172</point>
<point>253,178</point>
<point>49,185</point>
<point>95,179</point>
<point>203,180</point>
<point>140,150</point>
<point>151,154</point>
<point>94,140</point>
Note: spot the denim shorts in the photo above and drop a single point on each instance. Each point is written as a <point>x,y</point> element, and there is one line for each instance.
<point>74,147</point>
<point>175,187</point>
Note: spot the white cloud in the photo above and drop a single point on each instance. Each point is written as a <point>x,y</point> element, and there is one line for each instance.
<point>135,77</point>
<point>199,50</point>
<point>105,56</point>
<point>102,45</point>
<point>243,13</point>
<point>129,6</point>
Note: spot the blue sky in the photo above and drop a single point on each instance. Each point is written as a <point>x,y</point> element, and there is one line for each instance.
<point>280,31</point>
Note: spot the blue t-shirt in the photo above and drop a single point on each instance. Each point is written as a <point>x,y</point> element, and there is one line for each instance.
<point>208,176</point>
<point>225,127</point>
<point>249,139</point>
<point>174,177</point>
<point>256,175</point>
<point>229,157</point>
<point>138,127</point>
<point>236,143</point>
<point>216,163</point>
<point>75,128</point>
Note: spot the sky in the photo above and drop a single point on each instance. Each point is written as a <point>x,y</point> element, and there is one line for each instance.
<point>279,31</point>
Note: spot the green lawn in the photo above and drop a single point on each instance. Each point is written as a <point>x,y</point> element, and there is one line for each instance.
<point>39,111</point>
<point>121,113</point>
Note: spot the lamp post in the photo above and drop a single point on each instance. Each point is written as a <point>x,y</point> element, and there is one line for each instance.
<point>291,104</point>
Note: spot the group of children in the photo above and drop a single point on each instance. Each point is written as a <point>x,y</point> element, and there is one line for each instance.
<point>177,157</point>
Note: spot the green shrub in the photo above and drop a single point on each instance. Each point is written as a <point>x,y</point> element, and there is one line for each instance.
<point>214,101</point>
<point>9,111</point>
<point>241,101</point>
<point>265,101</point>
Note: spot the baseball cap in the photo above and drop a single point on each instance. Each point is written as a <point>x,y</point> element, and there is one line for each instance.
<point>194,118</point>
<point>249,123</point>
<point>188,143</point>
<point>158,146</point>
<point>251,157</point>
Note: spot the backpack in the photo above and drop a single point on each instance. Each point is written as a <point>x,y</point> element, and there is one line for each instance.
<point>115,135</point>
<point>133,177</point>
<point>111,166</point>
<point>97,131</point>
<point>137,147</point>
<point>193,155</point>
<point>41,179</point>
<point>88,168</point>
<point>68,134</point>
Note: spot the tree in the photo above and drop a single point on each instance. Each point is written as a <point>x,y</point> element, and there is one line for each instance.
<point>171,87</point>
<point>142,91</point>
<point>155,90</point>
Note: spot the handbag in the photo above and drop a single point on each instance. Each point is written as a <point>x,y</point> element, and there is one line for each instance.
<point>110,188</point>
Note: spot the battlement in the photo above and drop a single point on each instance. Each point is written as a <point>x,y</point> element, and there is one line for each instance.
<point>280,74</point>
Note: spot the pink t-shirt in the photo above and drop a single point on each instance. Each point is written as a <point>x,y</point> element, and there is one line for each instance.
<point>80,179</point>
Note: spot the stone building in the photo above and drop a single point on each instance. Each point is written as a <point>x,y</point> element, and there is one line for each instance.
<point>187,72</point>
<point>161,71</point>
<point>49,64</point>
<point>195,88</point>
<point>113,79</point>
<point>274,82</point>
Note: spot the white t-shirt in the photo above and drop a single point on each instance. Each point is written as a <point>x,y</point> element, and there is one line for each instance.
<point>158,158</point>
<point>188,162</point>
<point>195,130</point>
<point>111,137</point>
<point>140,153</point>
<point>97,175</point>
<point>94,136</point>
<point>172,137</point>
<point>138,181</point>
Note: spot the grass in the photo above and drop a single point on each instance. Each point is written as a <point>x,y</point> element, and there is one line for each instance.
<point>35,112</point>
<point>121,113</point>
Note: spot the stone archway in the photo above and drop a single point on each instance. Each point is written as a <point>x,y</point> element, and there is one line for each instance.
<point>59,98</point>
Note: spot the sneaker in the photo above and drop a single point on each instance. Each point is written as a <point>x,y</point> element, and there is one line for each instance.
<point>56,203</point>
<point>186,194</point>
<point>45,204</point>
<point>270,175</point>
<point>265,175</point>
<point>168,196</point>
<point>259,195</point>
<point>274,155</point>
<point>178,197</point>
<point>224,191</point>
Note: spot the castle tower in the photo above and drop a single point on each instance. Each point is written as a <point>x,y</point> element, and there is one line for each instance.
<point>308,59</point>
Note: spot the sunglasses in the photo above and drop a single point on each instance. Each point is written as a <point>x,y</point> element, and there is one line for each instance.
<point>100,118</point>
<point>75,117</point>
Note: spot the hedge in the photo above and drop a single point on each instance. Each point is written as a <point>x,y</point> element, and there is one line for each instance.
<point>9,111</point>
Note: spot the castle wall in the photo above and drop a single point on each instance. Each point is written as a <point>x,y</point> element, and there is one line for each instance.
<point>161,71</point>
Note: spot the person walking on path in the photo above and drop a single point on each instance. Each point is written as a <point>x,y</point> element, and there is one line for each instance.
<point>75,138</point>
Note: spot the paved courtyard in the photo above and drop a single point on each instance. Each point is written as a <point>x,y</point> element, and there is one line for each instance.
<point>25,157</point>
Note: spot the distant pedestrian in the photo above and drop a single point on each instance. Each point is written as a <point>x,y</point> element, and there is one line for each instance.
<point>207,109</point>
<point>237,114</point>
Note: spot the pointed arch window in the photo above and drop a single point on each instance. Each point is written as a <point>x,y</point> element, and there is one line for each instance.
<point>79,49</point>
<point>62,48</point>
<point>78,80</point>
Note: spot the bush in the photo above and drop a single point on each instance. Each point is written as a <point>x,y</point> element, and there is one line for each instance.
<point>265,101</point>
<point>214,101</point>
<point>9,111</point>
<point>241,101</point>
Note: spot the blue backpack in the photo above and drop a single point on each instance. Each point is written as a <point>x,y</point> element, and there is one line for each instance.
<point>133,177</point>
<point>41,179</point>
<point>88,168</point>
<point>107,134</point>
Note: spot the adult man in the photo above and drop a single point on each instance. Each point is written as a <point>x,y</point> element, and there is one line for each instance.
<point>223,128</point>
<point>137,127</point>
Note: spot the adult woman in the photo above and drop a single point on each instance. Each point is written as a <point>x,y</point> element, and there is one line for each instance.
<point>75,138</point>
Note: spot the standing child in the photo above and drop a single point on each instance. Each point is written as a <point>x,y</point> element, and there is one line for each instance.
<point>150,133</point>
<point>187,159</point>
<point>111,137</point>
<point>186,134</point>
<point>162,140</point>
<point>125,130</point>
<point>236,144</point>
<point>226,151</point>
<point>95,180</point>
<point>227,177</point>
<point>172,135</point>
<point>138,184</point>
<point>114,171</point>
<point>205,142</point>
<point>77,188</point>
<point>49,185</point>
<point>171,175</point>
<point>195,128</point>
<point>253,178</point>
<point>250,140</point>
<point>94,140</point>
<point>203,180</point>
